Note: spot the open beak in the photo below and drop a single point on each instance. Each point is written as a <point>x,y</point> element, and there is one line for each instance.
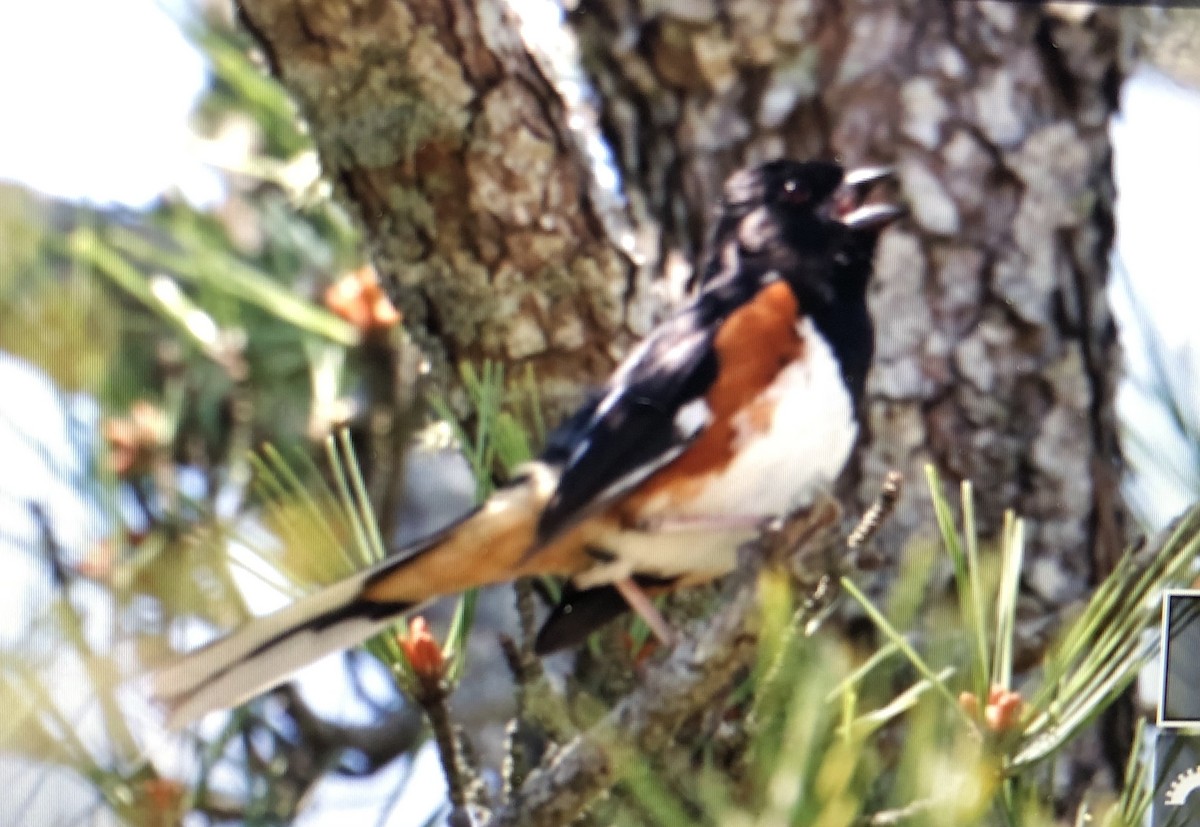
<point>851,205</point>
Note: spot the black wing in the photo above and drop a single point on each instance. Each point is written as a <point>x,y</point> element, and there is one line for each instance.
<point>634,428</point>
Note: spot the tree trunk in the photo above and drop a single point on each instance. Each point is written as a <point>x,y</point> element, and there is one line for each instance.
<point>446,141</point>
<point>996,354</point>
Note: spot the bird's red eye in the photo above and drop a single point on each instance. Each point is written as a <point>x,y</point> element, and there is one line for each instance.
<point>794,193</point>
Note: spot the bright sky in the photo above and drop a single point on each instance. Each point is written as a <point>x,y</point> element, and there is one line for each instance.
<point>1157,164</point>
<point>95,98</point>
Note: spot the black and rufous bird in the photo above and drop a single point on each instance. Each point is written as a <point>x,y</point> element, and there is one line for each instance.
<point>739,407</point>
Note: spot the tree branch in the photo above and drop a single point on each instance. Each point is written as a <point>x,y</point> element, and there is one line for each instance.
<point>710,654</point>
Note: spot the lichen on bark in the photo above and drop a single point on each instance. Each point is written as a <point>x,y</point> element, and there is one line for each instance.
<point>444,138</point>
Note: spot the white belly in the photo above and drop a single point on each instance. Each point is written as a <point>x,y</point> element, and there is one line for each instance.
<point>779,465</point>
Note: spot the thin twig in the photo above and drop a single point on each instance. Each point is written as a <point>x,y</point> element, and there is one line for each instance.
<point>540,711</point>
<point>526,615</point>
<point>517,758</point>
<point>525,670</point>
<point>433,700</point>
<point>880,510</point>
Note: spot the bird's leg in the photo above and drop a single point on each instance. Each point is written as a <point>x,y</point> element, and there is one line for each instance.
<point>640,602</point>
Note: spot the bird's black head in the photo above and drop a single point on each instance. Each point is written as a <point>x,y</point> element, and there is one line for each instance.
<point>810,221</point>
<point>792,188</point>
<point>822,190</point>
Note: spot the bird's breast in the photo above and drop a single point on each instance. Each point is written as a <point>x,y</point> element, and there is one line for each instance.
<point>779,447</point>
<point>784,443</point>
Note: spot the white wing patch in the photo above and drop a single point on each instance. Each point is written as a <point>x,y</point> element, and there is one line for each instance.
<point>692,418</point>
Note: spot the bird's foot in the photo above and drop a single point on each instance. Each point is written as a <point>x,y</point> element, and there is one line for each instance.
<point>641,603</point>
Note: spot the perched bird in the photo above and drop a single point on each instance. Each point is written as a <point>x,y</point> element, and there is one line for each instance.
<point>739,407</point>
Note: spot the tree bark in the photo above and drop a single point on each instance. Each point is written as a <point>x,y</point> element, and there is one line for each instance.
<point>449,145</point>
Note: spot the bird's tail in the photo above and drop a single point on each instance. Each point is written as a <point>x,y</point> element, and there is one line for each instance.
<point>488,546</point>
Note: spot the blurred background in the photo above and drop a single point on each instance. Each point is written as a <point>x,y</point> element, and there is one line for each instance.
<point>177,288</point>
